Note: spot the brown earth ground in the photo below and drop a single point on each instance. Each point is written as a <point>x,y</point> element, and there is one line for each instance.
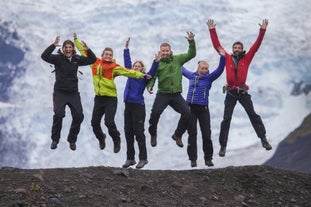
<point>105,186</point>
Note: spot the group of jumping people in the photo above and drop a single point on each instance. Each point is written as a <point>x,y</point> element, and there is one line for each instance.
<point>168,70</point>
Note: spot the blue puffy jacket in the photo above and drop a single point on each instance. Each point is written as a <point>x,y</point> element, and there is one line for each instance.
<point>199,86</point>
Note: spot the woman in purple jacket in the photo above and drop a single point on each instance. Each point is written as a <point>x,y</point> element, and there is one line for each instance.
<point>200,83</point>
<point>135,111</point>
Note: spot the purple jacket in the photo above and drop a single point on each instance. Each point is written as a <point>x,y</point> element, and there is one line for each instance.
<point>199,86</point>
<point>134,89</point>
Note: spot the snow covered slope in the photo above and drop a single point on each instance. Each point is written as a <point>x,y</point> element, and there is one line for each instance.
<point>27,83</point>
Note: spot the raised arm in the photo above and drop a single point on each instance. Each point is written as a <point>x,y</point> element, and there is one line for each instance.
<point>264,24</point>
<point>47,53</point>
<point>219,70</point>
<point>191,53</point>
<point>127,55</point>
<point>79,45</point>
<point>192,49</point>
<point>214,37</point>
<point>253,49</point>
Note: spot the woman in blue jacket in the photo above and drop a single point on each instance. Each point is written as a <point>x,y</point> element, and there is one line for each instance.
<point>135,111</point>
<point>200,83</point>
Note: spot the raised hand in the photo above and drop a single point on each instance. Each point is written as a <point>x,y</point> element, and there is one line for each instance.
<point>56,42</point>
<point>85,47</point>
<point>127,43</point>
<point>190,36</point>
<point>157,57</point>
<point>264,24</point>
<point>221,51</point>
<point>211,24</point>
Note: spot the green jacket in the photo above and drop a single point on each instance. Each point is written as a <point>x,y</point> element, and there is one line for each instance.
<point>169,72</point>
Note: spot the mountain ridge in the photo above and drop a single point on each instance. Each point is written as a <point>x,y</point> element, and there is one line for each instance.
<point>294,151</point>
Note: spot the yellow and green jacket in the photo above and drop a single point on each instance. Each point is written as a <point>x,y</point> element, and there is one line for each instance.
<point>104,72</point>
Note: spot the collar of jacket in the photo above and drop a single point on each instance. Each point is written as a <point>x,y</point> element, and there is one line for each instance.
<point>238,56</point>
<point>167,59</point>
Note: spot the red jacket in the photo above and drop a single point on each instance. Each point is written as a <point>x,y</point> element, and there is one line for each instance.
<point>244,62</point>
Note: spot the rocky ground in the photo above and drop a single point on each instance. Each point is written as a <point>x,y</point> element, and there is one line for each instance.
<point>104,186</point>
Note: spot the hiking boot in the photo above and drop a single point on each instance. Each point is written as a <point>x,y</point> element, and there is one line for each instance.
<point>193,163</point>
<point>222,151</point>
<point>72,146</point>
<point>102,143</point>
<point>153,140</point>
<point>128,163</point>
<point>54,145</point>
<point>116,143</point>
<point>141,164</point>
<point>209,163</point>
<point>177,140</point>
<point>266,144</point>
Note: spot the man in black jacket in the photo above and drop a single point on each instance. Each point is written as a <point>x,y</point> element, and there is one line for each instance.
<point>66,90</point>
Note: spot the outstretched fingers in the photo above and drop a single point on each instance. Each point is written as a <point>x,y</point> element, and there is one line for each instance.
<point>264,24</point>
<point>190,36</point>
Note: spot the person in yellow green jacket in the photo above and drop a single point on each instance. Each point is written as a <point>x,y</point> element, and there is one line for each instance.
<point>104,71</point>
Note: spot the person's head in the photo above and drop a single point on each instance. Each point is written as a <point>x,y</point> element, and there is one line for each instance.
<point>203,67</point>
<point>165,49</point>
<point>237,47</point>
<point>139,66</point>
<point>107,54</point>
<point>68,48</point>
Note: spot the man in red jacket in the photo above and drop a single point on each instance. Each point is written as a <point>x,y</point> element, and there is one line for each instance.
<point>237,65</point>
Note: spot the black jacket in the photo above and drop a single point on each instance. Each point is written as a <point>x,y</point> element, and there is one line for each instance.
<point>66,69</point>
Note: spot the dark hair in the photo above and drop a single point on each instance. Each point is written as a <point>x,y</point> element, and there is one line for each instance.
<point>68,42</point>
<point>107,49</point>
<point>238,43</point>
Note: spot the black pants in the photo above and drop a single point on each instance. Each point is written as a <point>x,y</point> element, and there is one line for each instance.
<point>134,127</point>
<point>105,105</point>
<point>245,100</point>
<point>178,103</point>
<point>202,114</point>
<point>60,100</point>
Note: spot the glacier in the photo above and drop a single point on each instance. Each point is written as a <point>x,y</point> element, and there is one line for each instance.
<point>28,27</point>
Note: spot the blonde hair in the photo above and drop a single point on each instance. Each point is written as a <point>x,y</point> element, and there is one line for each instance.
<point>203,62</point>
<point>141,63</point>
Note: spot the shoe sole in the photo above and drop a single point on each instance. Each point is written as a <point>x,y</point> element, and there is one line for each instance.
<point>153,142</point>
<point>117,147</point>
<point>178,144</point>
<point>141,166</point>
<point>102,145</point>
<point>127,166</point>
<point>53,147</point>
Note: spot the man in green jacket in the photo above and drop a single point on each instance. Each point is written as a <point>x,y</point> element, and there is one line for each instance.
<point>169,77</point>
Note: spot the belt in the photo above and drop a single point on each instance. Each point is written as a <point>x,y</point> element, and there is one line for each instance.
<point>237,89</point>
